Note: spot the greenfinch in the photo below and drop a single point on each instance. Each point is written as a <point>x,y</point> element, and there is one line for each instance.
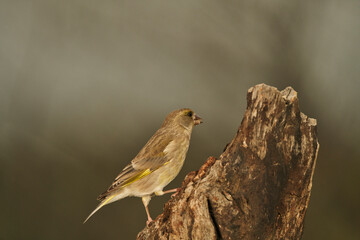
<point>157,163</point>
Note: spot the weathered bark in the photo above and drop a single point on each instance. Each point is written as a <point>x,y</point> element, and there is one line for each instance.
<point>259,188</point>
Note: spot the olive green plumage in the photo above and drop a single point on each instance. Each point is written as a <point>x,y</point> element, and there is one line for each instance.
<point>157,163</point>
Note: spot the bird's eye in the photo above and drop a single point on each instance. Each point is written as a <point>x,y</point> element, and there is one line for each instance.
<point>190,114</point>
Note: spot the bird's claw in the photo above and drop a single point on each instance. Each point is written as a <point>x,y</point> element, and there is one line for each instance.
<point>177,191</point>
<point>148,221</point>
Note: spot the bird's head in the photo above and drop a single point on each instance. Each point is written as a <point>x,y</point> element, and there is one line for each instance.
<point>184,117</point>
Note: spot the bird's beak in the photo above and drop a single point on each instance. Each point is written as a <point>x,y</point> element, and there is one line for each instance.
<point>197,119</point>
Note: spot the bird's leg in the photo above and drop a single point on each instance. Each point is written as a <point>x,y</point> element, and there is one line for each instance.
<point>159,193</point>
<point>172,190</point>
<point>146,200</point>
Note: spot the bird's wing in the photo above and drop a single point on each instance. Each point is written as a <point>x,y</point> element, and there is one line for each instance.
<point>152,156</point>
<point>155,152</point>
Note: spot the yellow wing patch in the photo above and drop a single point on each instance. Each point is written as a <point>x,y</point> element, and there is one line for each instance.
<point>136,177</point>
<point>140,175</point>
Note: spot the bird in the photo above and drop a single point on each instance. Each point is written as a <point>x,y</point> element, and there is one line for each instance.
<point>157,163</point>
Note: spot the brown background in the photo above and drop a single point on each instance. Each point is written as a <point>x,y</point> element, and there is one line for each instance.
<point>84,84</point>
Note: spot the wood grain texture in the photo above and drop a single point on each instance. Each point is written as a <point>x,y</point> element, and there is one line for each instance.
<point>259,188</point>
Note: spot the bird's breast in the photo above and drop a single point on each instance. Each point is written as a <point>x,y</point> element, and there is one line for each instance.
<point>176,156</point>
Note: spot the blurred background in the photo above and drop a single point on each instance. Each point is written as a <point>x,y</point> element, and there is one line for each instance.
<point>84,84</point>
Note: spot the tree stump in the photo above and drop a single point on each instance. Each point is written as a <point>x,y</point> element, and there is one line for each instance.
<point>259,188</point>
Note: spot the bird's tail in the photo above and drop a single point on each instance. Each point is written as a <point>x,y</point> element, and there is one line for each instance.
<point>103,203</point>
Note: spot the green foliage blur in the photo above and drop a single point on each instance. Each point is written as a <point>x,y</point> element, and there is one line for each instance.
<point>84,84</point>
